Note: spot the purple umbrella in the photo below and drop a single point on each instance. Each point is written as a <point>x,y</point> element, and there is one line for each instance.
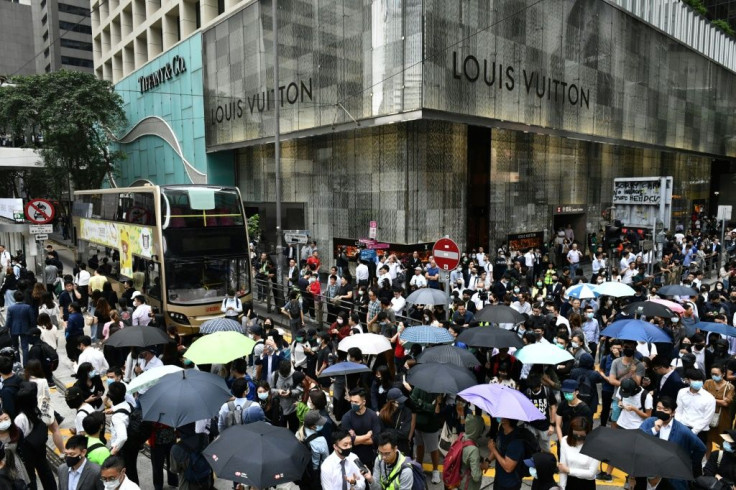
<point>502,401</point>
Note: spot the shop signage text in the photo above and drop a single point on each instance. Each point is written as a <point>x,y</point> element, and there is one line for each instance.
<point>291,93</point>
<point>524,241</point>
<point>504,77</point>
<point>636,191</point>
<point>163,74</point>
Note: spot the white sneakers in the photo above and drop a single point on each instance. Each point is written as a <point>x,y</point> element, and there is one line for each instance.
<point>436,476</point>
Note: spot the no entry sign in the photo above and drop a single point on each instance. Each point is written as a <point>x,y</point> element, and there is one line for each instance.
<point>39,211</point>
<point>446,253</point>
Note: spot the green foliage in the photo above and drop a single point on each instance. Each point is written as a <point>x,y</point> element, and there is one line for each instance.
<point>698,6</point>
<point>75,113</point>
<point>724,26</point>
<point>254,227</point>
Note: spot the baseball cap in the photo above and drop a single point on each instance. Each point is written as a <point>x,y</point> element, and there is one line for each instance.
<point>395,394</point>
<point>313,417</point>
<point>256,330</point>
<point>136,293</point>
<point>628,387</point>
<point>569,385</point>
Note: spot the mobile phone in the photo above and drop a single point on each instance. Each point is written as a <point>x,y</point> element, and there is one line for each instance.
<point>361,467</point>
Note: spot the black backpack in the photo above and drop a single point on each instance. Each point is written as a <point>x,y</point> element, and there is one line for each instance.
<point>139,430</point>
<point>50,357</point>
<point>531,446</point>
<point>198,470</point>
<point>294,309</point>
<point>310,479</point>
<point>585,390</point>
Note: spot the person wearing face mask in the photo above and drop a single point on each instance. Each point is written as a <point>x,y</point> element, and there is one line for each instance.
<point>113,477</point>
<point>269,402</point>
<point>309,434</point>
<point>542,468</point>
<point>695,406</point>
<point>363,425</point>
<point>663,425</point>
<point>591,330</point>
<point>10,478</point>
<point>669,383</point>
<point>723,392</point>
<point>569,408</point>
<point>703,357</point>
<point>722,464</point>
<point>342,469</point>
<point>577,471</point>
<point>396,416</point>
<point>76,471</point>
<point>626,366</point>
<point>289,393</point>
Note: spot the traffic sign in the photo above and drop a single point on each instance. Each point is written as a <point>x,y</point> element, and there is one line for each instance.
<point>724,213</point>
<point>446,253</point>
<point>372,230</point>
<point>41,237</point>
<point>40,229</point>
<point>39,211</point>
<point>296,236</point>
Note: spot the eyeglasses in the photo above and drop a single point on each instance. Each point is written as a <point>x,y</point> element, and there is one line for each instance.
<point>385,454</point>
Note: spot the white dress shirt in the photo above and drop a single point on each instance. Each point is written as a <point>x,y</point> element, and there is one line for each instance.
<point>128,485</point>
<point>141,315</point>
<point>331,472</point>
<point>664,432</point>
<point>75,475</point>
<point>580,465</point>
<point>397,304</point>
<point>119,425</point>
<point>418,281</point>
<point>82,278</point>
<point>96,358</point>
<point>695,409</point>
<point>361,273</point>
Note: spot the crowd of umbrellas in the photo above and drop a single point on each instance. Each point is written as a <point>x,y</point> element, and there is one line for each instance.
<point>177,397</point>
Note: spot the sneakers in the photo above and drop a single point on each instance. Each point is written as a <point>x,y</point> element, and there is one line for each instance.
<point>603,476</point>
<point>436,476</point>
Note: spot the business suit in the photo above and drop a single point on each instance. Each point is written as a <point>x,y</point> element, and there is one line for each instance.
<point>689,442</point>
<point>89,480</point>
<point>672,386</point>
<point>19,320</point>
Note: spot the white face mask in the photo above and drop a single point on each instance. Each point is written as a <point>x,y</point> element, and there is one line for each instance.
<point>111,485</point>
<point>5,425</point>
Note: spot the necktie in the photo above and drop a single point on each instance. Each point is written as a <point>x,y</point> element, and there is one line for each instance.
<point>344,475</point>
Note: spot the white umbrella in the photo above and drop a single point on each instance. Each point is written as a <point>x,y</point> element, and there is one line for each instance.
<point>370,344</point>
<point>149,378</point>
<point>581,291</point>
<point>542,353</point>
<point>615,289</point>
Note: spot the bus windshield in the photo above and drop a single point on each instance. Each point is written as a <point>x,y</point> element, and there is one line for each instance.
<point>200,207</point>
<point>205,280</point>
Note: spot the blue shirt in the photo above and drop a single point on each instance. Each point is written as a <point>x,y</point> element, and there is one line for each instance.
<point>433,271</point>
<point>591,331</point>
<point>511,447</point>
<point>75,475</point>
<point>75,325</point>
<point>319,448</point>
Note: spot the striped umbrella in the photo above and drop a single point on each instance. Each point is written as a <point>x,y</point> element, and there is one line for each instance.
<point>581,291</point>
<point>427,335</point>
<point>220,324</point>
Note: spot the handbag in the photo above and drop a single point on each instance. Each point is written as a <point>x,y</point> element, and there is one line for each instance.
<point>717,415</point>
<point>448,436</point>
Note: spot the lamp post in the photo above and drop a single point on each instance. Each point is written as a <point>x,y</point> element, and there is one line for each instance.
<point>277,146</point>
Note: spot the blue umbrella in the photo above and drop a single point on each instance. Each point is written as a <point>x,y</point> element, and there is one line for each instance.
<point>638,330</point>
<point>345,368</point>
<point>582,291</point>
<point>720,328</point>
<point>427,335</point>
<point>502,401</point>
<point>220,324</point>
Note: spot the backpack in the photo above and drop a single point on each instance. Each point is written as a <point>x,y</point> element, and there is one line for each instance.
<point>198,470</point>
<point>585,390</point>
<point>234,414</point>
<point>136,425</point>
<point>294,308</point>
<point>50,357</point>
<point>531,446</point>
<point>310,479</point>
<point>451,475</point>
<point>420,479</point>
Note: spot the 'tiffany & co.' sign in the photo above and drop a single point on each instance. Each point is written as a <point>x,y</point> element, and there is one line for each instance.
<point>166,72</point>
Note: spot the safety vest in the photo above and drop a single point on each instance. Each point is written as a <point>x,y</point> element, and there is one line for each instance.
<point>392,481</point>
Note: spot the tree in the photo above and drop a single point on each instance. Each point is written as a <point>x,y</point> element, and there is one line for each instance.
<point>69,117</point>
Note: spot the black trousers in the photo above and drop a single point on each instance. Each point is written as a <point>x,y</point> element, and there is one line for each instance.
<point>129,453</point>
<point>160,454</point>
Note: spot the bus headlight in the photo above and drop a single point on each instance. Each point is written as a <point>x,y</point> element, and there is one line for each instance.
<point>179,318</point>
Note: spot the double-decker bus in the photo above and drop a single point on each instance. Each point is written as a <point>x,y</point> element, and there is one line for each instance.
<point>183,246</point>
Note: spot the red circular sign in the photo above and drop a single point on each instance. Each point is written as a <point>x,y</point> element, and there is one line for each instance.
<point>40,211</point>
<point>446,253</point>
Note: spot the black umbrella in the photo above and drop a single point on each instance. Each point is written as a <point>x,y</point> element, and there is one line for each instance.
<point>273,455</point>
<point>138,336</point>
<point>490,337</point>
<point>638,454</point>
<point>434,377</point>
<point>184,397</point>
<point>448,354</point>
<point>676,290</point>
<point>499,314</point>
<point>648,309</point>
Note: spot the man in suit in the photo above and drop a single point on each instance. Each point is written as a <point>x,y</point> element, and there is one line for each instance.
<point>670,383</point>
<point>20,319</point>
<point>77,472</point>
<point>664,426</point>
<point>293,274</point>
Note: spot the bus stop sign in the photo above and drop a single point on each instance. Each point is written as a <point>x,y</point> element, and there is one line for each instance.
<point>39,211</point>
<point>446,253</point>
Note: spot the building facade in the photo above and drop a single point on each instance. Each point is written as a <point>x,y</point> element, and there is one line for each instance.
<point>477,119</point>
<point>16,39</point>
<point>63,35</point>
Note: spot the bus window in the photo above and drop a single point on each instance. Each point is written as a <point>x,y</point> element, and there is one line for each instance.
<point>138,208</point>
<point>153,279</point>
<point>200,280</point>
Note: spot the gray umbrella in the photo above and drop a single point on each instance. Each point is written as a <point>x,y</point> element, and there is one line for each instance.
<point>220,324</point>
<point>448,354</point>
<point>676,290</point>
<point>428,296</point>
<point>499,314</point>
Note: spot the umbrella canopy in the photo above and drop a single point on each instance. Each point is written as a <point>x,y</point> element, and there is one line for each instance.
<point>648,309</point>
<point>582,291</point>
<point>427,335</point>
<point>433,377</point>
<point>221,324</point>
<point>720,328</point>
<point>542,353</point>
<point>138,336</point>
<point>677,290</point>
<point>219,348</point>
<point>184,397</point>
<point>502,401</point>
<point>448,354</point>
<point>490,337</point>
<point>614,289</point>
<point>345,368</point>
<point>428,296</point>
<point>638,454</point>
<point>274,455</point>
<point>499,314</point>
<point>638,330</point>
<point>149,378</point>
<point>370,344</point>
<point>676,307</point>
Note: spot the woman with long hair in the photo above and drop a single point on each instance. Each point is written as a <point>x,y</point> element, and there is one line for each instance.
<point>35,434</point>
<point>49,332</point>
<point>577,471</point>
<point>9,286</point>
<point>50,307</point>
<point>37,294</point>
<point>114,356</point>
<point>34,373</point>
<point>109,294</point>
<point>102,316</point>
<point>396,416</point>
<point>90,383</point>
<point>270,404</point>
<point>10,437</point>
<point>383,380</point>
